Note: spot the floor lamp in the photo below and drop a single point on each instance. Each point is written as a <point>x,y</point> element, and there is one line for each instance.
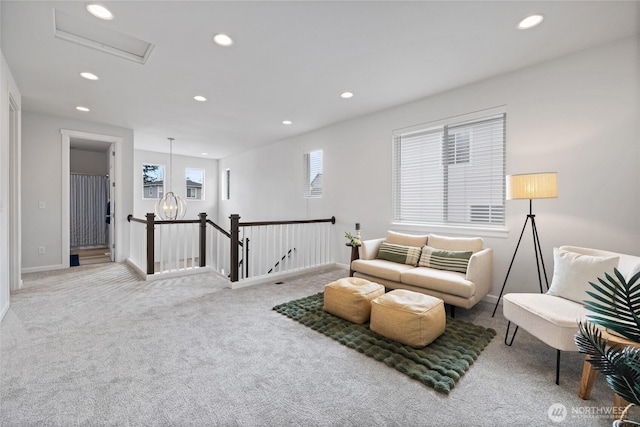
<point>530,186</point>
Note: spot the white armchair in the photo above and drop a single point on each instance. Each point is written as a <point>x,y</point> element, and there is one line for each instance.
<point>553,317</point>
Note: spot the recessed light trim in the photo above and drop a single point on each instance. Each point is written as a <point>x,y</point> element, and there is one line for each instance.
<point>89,76</point>
<point>99,11</point>
<point>287,122</point>
<point>530,21</point>
<point>83,109</point>
<point>222,40</point>
<point>205,154</point>
<point>200,98</point>
<point>346,95</point>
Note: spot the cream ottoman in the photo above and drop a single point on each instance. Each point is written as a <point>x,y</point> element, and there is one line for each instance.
<point>408,317</point>
<point>350,298</point>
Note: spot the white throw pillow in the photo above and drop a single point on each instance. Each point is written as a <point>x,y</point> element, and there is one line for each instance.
<point>572,273</point>
<point>635,270</point>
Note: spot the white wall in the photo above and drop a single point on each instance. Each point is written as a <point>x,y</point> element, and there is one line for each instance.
<point>576,115</point>
<point>180,163</point>
<point>8,89</point>
<point>42,182</point>
<point>89,162</point>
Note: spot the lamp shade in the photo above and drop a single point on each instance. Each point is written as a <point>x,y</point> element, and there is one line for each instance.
<point>532,186</point>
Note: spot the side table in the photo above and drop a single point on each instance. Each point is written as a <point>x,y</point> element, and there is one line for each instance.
<point>355,254</point>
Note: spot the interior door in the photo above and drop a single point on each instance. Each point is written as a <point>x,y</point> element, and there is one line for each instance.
<point>111,223</point>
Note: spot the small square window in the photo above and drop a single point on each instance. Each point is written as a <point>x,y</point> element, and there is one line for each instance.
<point>313,174</point>
<point>195,184</point>
<point>152,181</point>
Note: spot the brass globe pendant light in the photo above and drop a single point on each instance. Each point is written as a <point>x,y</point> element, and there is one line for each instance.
<point>171,206</point>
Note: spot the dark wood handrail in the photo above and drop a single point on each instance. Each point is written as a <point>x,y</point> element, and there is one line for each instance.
<point>220,229</point>
<point>175,221</point>
<point>332,220</point>
<point>131,218</point>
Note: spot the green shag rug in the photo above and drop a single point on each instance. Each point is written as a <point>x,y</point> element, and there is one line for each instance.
<point>438,365</point>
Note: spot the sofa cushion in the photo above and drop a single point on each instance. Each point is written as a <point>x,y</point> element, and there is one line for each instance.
<point>572,273</point>
<point>380,268</point>
<point>449,282</point>
<point>473,244</point>
<point>406,239</point>
<point>399,253</point>
<point>444,260</point>
<point>551,319</point>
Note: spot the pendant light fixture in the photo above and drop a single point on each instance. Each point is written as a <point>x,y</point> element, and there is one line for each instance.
<point>171,206</point>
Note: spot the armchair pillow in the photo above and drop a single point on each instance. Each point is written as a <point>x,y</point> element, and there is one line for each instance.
<point>572,273</point>
<point>399,253</point>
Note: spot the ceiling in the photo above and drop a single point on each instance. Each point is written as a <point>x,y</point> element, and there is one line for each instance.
<point>290,60</point>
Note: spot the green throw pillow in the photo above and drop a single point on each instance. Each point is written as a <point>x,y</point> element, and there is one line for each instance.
<point>399,253</point>
<point>445,260</point>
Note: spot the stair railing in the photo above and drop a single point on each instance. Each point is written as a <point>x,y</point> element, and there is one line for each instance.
<point>180,245</point>
<point>269,240</point>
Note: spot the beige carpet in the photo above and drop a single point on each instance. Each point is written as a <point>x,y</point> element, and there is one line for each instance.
<point>95,346</point>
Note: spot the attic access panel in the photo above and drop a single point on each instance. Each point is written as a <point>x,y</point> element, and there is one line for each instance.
<point>90,34</point>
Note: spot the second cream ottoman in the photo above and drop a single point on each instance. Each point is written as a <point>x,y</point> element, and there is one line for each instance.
<point>408,317</point>
<point>350,298</point>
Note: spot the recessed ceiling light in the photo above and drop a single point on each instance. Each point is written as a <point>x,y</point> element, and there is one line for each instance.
<point>530,22</point>
<point>200,98</point>
<point>347,95</point>
<point>99,11</point>
<point>81,108</point>
<point>222,40</point>
<point>287,122</point>
<point>205,154</point>
<point>89,76</point>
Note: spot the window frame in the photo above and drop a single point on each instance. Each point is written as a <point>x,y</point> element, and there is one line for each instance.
<point>160,192</point>
<point>202,185</point>
<point>308,189</point>
<point>225,182</point>
<point>483,229</point>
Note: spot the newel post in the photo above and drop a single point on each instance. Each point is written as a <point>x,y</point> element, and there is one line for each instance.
<point>203,239</point>
<point>150,243</point>
<point>235,243</point>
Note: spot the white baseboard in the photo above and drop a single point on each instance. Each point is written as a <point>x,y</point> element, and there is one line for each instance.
<point>169,274</point>
<point>490,299</point>
<point>4,310</point>
<point>43,268</point>
<point>179,273</point>
<point>276,277</point>
<point>139,272</point>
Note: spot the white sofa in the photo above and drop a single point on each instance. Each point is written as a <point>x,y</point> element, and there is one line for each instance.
<point>553,317</point>
<point>454,288</point>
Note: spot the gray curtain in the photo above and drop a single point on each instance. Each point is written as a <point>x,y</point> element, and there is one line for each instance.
<point>88,210</point>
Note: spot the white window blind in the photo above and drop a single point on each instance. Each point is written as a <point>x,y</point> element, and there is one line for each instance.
<point>313,174</point>
<point>451,173</point>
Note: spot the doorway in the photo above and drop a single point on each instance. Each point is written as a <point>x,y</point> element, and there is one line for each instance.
<point>90,199</point>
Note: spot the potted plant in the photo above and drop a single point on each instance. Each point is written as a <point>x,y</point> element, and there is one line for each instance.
<point>615,308</point>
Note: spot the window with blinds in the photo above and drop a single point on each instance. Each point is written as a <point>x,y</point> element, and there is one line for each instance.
<point>452,172</point>
<point>313,173</point>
